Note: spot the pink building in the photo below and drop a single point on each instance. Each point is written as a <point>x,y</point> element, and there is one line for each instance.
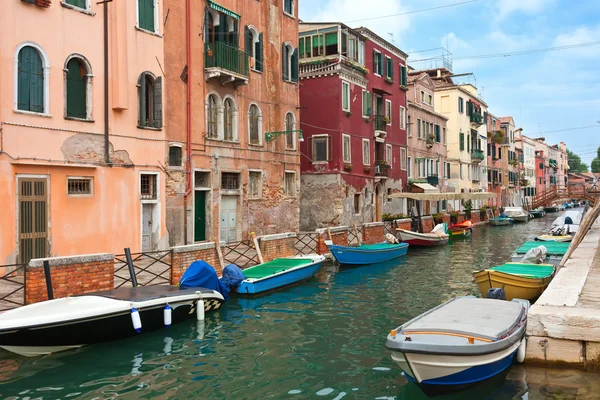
<point>81,157</point>
<point>353,112</point>
<point>494,152</point>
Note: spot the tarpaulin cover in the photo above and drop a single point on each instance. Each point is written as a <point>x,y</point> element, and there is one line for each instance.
<point>232,276</point>
<point>202,274</point>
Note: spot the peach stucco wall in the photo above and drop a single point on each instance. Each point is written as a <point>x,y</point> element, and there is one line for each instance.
<point>42,144</point>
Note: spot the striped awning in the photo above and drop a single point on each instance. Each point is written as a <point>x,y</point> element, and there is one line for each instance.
<point>222,9</point>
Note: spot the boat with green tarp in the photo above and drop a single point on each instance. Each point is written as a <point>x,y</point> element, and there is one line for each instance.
<point>519,280</point>
<point>554,251</point>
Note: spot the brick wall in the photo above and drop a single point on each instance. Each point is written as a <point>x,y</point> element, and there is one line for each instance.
<point>70,276</point>
<point>475,216</point>
<point>339,236</point>
<point>183,256</point>
<point>427,224</point>
<point>276,246</point>
<point>373,233</point>
<point>404,223</point>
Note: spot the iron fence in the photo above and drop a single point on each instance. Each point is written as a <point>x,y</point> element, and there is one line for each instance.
<point>243,254</point>
<point>12,286</point>
<point>151,268</point>
<point>306,243</point>
<point>355,235</point>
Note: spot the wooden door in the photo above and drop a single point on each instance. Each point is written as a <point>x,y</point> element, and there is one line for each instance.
<point>228,219</point>
<point>147,244</point>
<point>199,216</point>
<point>33,218</point>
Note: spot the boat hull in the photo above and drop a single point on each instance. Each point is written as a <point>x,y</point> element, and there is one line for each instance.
<point>521,218</point>
<point>552,238</point>
<point>551,209</point>
<point>501,222</point>
<point>280,280</point>
<point>537,214</point>
<point>515,287</point>
<point>420,239</point>
<point>459,233</point>
<point>357,256</point>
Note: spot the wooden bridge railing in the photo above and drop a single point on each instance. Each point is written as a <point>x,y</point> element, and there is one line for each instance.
<point>561,193</point>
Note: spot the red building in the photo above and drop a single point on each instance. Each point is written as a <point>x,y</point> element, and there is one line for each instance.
<point>540,172</point>
<point>353,118</point>
<point>494,152</point>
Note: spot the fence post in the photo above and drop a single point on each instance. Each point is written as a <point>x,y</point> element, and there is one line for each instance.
<point>48,280</point>
<point>134,282</point>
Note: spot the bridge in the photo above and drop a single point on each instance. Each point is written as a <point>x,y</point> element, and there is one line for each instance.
<point>556,194</point>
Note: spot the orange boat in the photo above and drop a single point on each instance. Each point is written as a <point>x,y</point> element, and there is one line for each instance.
<point>467,224</point>
<point>461,229</point>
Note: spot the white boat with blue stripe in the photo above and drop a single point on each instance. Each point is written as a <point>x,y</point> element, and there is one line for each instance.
<point>461,342</point>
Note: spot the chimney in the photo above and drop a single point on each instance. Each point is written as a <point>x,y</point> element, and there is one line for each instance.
<point>439,73</point>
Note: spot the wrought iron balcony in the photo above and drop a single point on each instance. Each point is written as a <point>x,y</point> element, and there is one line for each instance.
<point>477,156</point>
<point>230,63</point>
<point>380,122</point>
<point>476,118</point>
<point>433,180</point>
<point>381,169</point>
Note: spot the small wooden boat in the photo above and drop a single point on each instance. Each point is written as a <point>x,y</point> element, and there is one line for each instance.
<point>501,221</point>
<point>554,238</point>
<point>551,209</point>
<point>466,224</point>
<point>457,233</point>
<point>279,272</point>
<point>368,253</point>
<point>435,238</point>
<point>539,213</point>
<point>554,251</point>
<point>520,281</point>
<point>463,341</point>
<point>517,213</point>
<point>71,322</point>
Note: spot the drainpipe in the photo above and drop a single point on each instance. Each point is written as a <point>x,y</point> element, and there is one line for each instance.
<point>106,142</point>
<point>188,182</point>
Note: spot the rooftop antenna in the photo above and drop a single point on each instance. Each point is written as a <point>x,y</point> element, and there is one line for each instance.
<point>391,35</point>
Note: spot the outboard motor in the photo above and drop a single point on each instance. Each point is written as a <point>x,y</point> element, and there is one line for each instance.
<point>496,293</point>
<point>536,255</point>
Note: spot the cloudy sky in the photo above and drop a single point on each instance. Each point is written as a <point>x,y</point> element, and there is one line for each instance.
<point>547,93</point>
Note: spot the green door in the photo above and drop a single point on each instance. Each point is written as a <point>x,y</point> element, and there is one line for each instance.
<point>199,216</point>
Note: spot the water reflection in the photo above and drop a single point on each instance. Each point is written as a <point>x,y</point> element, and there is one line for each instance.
<point>321,339</point>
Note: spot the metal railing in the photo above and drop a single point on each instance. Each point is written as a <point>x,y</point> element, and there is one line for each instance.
<point>225,56</point>
<point>243,254</point>
<point>306,243</point>
<point>12,286</point>
<point>477,155</point>
<point>476,118</point>
<point>355,236</point>
<point>380,122</point>
<point>151,268</point>
<point>381,168</point>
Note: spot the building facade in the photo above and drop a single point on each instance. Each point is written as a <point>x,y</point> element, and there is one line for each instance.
<point>82,154</point>
<point>510,164</point>
<point>234,159</point>
<point>353,113</point>
<point>494,151</point>
<point>528,175</point>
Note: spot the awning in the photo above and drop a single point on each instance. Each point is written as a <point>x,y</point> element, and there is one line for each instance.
<point>426,187</point>
<point>222,9</point>
<point>443,196</point>
<point>381,92</point>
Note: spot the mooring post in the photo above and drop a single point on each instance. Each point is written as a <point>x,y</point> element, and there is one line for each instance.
<point>130,267</point>
<point>48,280</point>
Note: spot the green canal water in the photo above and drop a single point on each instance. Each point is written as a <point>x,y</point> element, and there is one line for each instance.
<point>323,339</point>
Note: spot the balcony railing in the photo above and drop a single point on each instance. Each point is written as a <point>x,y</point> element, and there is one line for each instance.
<point>381,169</point>
<point>226,60</point>
<point>433,180</point>
<point>477,155</point>
<point>476,118</point>
<point>380,122</point>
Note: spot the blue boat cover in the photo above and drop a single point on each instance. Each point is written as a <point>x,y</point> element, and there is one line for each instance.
<point>232,276</point>
<point>202,274</point>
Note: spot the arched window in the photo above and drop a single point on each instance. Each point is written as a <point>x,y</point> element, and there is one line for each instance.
<point>212,116</point>
<point>290,136</point>
<point>254,122</point>
<point>150,101</point>
<point>289,62</point>
<point>229,119</point>
<point>78,88</point>
<point>31,81</point>
<point>254,47</point>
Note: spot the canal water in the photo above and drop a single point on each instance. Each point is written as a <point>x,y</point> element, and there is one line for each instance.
<point>323,339</point>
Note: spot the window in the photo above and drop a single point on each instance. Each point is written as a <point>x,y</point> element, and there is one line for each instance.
<point>389,69</point>
<point>422,96</point>
<point>361,52</point>
<point>377,63</point>
<point>357,203</point>
<point>288,7</point>
<point>290,135</point>
<point>77,3</point>
<point>175,156</point>
<point>468,143</point>
<point>31,92</point>
<point>255,122</point>
<point>289,63</point>
<point>418,127</point>
<point>444,134</point>
<point>424,128</point>
<point>230,120</point>
<point>403,77</point>
<point>212,116</point>
<point>388,154</point>
<point>346,148</point>
<point>437,134</point>
<point>447,170</point>
<point>77,79</point>
<point>366,103</point>
<point>254,184</point>
<point>388,111</point>
<point>402,118</point>
<point>429,100</point>
<point>146,15</point>
<point>230,180</point>
<point>408,127</point>
<point>202,180</point>
<point>290,184</point>
<point>320,148</point>
<point>150,101</point>
<point>403,159</point>
<point>79,186</point>
<point>409,167</point>
<point>366,150</point>
<point>461,105</point>
<point>462,141</point>
<point>254,47</point>
<point>148,187</point>
<point>345,96</point>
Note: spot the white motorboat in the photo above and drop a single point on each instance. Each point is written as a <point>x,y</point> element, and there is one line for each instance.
<point>438,236</point>
<point>517,213</point>
<point>463,341</point>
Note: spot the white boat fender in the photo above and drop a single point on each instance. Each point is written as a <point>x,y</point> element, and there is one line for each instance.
<point>521,351</point>
<point>136,320</point>
<point>200,310</point>
<point>167,311</point>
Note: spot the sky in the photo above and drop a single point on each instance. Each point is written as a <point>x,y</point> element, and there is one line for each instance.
<point>544,92</point>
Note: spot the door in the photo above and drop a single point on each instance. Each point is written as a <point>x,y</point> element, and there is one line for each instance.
<point>379,106</point>
<point>228,219</point>
<point>147,227</point>
<point>33,218</point>
<point>200,216</point>
<point>377,204</point>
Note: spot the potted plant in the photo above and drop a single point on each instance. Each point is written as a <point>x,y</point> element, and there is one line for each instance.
<point>482,212</point>
<point>438,218</point>
<point>498,137</point>
<point>386,119</point>
<point>367,168</point>
<point>453,217</point>
<point>348,114</point>
<point>389,80</point>
<point>468,205</point>
<point>347,167</point>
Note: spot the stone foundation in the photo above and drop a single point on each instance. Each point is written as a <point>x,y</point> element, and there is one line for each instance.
<point>276,246</point>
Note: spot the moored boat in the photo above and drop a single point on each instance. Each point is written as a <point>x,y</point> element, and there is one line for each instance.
<point>463,341</point>
<point>554,238</point>
<point>466,224</point>
<point>551,209</point>
<point>518,214</point>
<point>279,272</point>
<point>554,251</point>
<point>368,253</point>
<point>538,213</point>
<point>457,233</point>
<point>519,280</point>
<point>71,322</point>
<point>501,221</point>
<point>438,236</point>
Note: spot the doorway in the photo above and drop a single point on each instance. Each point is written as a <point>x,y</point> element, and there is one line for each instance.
<point>33,218</point>
<point>147,225</point>
<point>199,216</point>
<point>377,203</point>
<point>228,219</point>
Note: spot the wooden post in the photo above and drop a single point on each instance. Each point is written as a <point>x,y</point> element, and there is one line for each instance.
<point>258,251</point>
<point>356,234</point>
<point>589,218</point>
<point>219,253</point>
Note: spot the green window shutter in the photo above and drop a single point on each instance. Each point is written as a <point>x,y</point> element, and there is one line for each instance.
<point>404,77</point>
<point>462,141</point>
<point>375,59</point>
<point>259,55</point>
<point>418,128</point>
<point>468,143</point>
<point>157,103</point>
<point>76,3</point>
<point>301,47</point>
<point>76,89</point>
<point>30,96</point>
<point>146,14</point>
<point>295,66</point>
<point>369,104</point>
<point>437,133</point>
<point>142,117</point>
<point>142,13</point>
<point>284,62</point>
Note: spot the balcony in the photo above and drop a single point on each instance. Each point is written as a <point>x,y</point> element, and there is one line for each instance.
<point>476,119</point>
<point>381,169</point>
<point>380,122</point>
<point>553,164</point>
<point>477,156</point>
<point>433,180</point>
<point>227,62</point>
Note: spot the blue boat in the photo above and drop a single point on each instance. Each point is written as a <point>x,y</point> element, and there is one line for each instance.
<point>279,272</point>
<point>368,253</point>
